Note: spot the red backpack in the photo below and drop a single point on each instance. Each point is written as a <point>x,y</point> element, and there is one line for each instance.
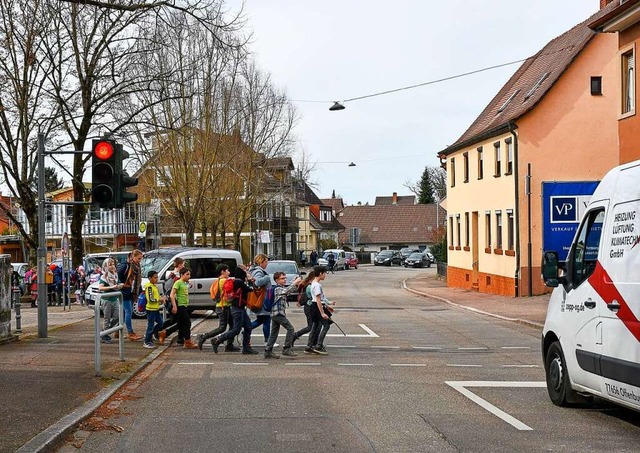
<point>233,296</point>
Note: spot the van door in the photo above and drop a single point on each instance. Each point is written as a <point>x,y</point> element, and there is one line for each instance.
<point>581,337</point>
<point>616,280</point>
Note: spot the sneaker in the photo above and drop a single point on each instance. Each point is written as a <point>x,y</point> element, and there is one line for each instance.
<point>106,339</point>
<point>250,351</point>
<point>309,350</point>
<point>270,355</point>
<point>201,340</point>
<point>148,345</point>
<point>215,343</point>
<point>162,335</point>
<point>275,345</point>
<point>320,350</point>
<point>231,348</point>
<point>289,353</point>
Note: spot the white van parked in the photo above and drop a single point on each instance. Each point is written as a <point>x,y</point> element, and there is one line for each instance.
<point>591,336</point>
<point>338,254</point>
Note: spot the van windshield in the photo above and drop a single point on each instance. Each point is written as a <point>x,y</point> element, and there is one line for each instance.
<point>155,261</point>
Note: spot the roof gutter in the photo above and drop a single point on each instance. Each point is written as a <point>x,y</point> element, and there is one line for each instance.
<point>503,128</point>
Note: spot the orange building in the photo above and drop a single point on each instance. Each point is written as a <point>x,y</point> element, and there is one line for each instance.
<point>625,20</point>
<point>554,120</point>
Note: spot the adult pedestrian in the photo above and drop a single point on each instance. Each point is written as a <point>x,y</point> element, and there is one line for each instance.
<point>331,260</point>
<point>314,258</point>
<point>109,283</point>
<point>261,280</point>
<point>57,283</point>
<point>31,280</point>
<point>241,321</point>
<point>170,324</point>
<point>303,258</point>
<point>129,274</point>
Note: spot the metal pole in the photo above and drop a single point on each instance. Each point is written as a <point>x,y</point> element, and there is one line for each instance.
<point>16,297</point>
<point>42,247</point>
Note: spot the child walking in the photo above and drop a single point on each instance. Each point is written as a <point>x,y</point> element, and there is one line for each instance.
<point>319,314</point>
<point>180,307</point>
<point>154,318</point>
<point>279,316</point>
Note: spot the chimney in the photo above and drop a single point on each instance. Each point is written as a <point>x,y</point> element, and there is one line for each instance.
<point>394,198</point>
<point>604,3</point>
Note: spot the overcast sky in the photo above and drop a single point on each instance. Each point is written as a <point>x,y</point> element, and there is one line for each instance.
<point>339,49</point>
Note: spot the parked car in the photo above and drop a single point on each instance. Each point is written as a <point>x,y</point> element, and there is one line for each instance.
<point>427,253</point>
<point>387,258</point>
<point>405,252</point>
<point>339,256</point>
<point>417,259</point>
<point>351,260</point>
<point>91,262</point>
<point>288,267</point>
<point>21,269</point>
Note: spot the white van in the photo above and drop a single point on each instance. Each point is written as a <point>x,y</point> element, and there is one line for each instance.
<point>339,256</point>
<point>591,336</point>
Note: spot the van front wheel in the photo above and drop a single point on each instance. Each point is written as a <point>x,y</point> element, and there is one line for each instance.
<point>557,375</point>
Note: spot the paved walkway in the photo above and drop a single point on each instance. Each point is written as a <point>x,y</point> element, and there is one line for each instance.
<point>49,384</point>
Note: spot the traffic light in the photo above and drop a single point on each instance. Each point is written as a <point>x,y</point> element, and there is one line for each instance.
<point>123,180</point>
<point>103,173</point>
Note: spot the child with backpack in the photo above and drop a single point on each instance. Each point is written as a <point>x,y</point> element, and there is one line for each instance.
<point>320,314</point>
<point>236,291</point>
<point>223,309</point>
<point>304,295</point>
<point>154,318</point>
<point>279,315</point>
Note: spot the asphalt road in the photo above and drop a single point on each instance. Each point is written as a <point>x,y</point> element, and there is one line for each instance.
<point>412,375</point>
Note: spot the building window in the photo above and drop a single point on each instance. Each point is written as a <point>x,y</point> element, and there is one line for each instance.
<point>287,210</point>
<point>487,229</point>
<point>458,230</point>
<point>628,82</point>
<point>466,166</point>
<point>480,164</point>
<point>509,156</point>
<point>453,172</point>
<point>510,230</point>
<point>94,213</point>
<point>451,231</point>
<point>498,229</point>
<point>498,159</point>
<point>596,86</point>
<point>467,227</point>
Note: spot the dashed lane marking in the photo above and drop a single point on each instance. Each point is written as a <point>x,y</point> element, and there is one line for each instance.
<point>409,364</point>
<point>460,386</point>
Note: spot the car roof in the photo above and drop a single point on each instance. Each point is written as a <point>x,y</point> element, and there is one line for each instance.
<point>281,261</point>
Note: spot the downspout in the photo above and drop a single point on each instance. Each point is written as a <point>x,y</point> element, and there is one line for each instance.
<point>512,128</point>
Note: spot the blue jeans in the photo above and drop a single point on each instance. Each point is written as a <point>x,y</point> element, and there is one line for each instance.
<point>240,321</point>
<point>128,309</point>
<point>154,323</point>
<point>265,320</point>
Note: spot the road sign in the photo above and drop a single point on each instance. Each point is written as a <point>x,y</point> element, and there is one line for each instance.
<point>142,229</point>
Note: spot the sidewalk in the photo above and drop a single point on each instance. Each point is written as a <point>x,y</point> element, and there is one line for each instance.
<point>48,384</point>
<point>526,310</point>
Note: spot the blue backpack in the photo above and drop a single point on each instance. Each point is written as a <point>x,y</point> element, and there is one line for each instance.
<point>142,302</point>
<point>269,299</point>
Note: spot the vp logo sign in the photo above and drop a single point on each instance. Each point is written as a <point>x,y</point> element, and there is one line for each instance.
<point>568,208</point>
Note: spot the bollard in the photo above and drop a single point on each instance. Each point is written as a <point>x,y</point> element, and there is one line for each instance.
<point>17,305</point>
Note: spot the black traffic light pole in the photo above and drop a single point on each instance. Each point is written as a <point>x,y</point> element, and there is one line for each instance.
<point>118,182</point>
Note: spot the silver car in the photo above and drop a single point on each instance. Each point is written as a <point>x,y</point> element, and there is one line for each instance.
<point>290,268</point>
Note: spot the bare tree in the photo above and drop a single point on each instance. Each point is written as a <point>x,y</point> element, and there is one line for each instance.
<point>24,107</point>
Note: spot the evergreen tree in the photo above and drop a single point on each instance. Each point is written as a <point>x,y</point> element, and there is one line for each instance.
<point>51,180</point>
<point>426,188</point>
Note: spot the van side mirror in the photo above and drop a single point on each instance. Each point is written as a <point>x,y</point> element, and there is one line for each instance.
<point>550,268</point>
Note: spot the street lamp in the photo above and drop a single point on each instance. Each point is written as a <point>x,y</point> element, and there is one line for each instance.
<point>336,106</point>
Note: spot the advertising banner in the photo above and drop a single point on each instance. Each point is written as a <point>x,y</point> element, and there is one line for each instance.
<point>563,204</point>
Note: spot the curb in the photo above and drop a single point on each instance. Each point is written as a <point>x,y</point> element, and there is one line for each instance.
<point>55,434</point>
<point>475,310</point>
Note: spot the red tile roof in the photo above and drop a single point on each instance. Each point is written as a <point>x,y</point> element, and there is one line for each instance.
<point>392,224</point>
<point>401,199</point>
<point>529,84</point>
<point>336,204</point>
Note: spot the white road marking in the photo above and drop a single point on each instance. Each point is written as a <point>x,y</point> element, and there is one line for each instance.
<point>516,347</point>
<point>194,363</point>
<point>520,366</point>
<point>385,347</point>
<point>471,349</point>
<point>370,333</point>
<point>460,365</point>
<point>251,363</point>
<point>460,387</point>
<point>427,348</point>
<point>409,364</point>
<point>355,364</point>
<point>303,364</point>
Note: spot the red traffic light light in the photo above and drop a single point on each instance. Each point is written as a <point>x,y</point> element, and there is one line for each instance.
<point>103,150</point>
